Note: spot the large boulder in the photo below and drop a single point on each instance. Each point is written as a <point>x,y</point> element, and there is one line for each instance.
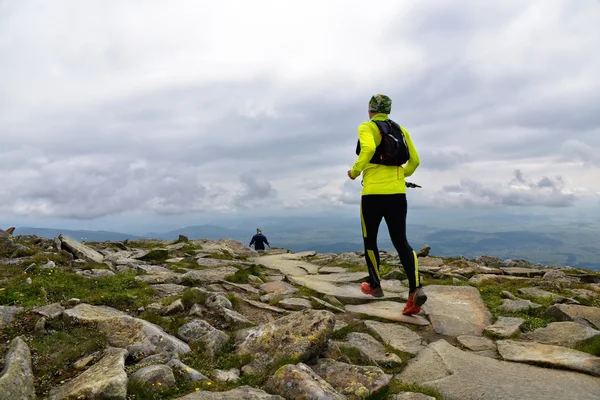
<point>460,375</point>
<point>353,381</point>
<point>104,380</point>
<point>296,337</point>
<point>370,350</point>
<point>566,334</point>
<point>16,379</point>
<point>299,382</point>
<point>553,356</point>
<point>240,393</point>
<point>124,331</point>
<point>589,316</point>
<point>80,250</point>
<point>201,332</point>
<point>456,310</point>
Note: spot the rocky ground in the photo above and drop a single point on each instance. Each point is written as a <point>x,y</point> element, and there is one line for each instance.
<point>215,320</point>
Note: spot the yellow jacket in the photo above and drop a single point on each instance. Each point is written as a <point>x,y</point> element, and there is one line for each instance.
<point>381,179</point>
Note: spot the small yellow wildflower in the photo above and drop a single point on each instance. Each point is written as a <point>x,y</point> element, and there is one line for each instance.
<point>24,272</point>
<point>209,383</point>
<point>187,370</point>
<point>159,384</point>
<point>197,389</point>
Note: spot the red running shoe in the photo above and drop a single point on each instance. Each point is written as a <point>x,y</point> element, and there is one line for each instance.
<point>414,303</point>
<point>367,289</point>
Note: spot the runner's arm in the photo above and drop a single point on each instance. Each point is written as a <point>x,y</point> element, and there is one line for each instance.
<point>367,149</point>
<point>414,160</point>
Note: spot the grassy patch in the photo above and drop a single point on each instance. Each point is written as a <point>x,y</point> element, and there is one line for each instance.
<point>186,263</point>
<point>61,257</point>
<point>156,256</point>
<point>170,324</point>
<point>146,245</point>
<point>397,387</point>
<point>492,296</point>
<point>90,266</point>
<point>121,291</point>
<point>74,341</point>
<point>591,346</point>
<point>191,297</point>
<point>235,300</point>
<point>242,275</point>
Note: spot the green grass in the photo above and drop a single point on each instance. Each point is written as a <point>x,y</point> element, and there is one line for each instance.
<point>156,256</point>
<point>591,346</point>
<point>242,275</point>
<point>51,366</point>
<point>397,387</point>
<point>191,297</point>
<point>187,263</point>
<point>170,324</point>
<point>121,291</point>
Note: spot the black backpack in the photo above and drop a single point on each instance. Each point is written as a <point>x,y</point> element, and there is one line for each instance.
<point>393,149</point>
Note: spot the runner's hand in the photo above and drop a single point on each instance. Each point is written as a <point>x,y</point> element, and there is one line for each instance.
<point>350,175</point>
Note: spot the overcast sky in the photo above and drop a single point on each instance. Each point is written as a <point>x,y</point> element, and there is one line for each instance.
<point>155,109</point>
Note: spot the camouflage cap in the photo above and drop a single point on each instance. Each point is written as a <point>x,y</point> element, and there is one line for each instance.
<point>380,103</point>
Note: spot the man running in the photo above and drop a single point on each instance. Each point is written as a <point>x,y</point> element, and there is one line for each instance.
<point>384,196</point>
<point>259,241</point>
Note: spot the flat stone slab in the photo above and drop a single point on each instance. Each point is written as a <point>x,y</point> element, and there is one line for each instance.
<point>476,343</point>
<point>240,393</point>
<point>585,315</point>
<point>554,356</point>
<point>80,250</point>
<point>456,310</point>
<point>480,278</point>
<point>399,337</point>
<point>327,305</point>
<point>208,275</point>
<point>264,306</point>
<point>536,292</point>
<point>518,305</point>
<point>460,375</point>
<point>332,270</point>
<point>346,293</point>
<point>287,266</point>
<point>169,289</point>
<point>523,272</point>
<point>278,287</point>
<point>343,277</point>
<point>389,310</point>
<point>50,311</point>
<point>411,396</point>
<point>370,349</point>
<point>505,327</point>
<point>566,334</point>
<point>295,304</point>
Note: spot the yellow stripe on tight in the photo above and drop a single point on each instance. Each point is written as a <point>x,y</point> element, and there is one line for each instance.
<point>374,262</point>
<point>362,222</point>
<point>416,268</point>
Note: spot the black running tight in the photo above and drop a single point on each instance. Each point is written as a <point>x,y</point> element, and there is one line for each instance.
<point>391,207</point>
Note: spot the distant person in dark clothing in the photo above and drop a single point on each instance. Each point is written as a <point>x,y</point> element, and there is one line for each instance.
<point>259,241</point>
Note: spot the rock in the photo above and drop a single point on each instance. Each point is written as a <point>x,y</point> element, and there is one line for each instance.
<point>299,382</point>
<point>589,316</point>
<point>154,255</point>
<point>175,246</point>
<point>48,265</point>
<point>397,336</point>
<point>347,293</point>
<point>509,295</point>
<point>96,273</point>
<point>564,300</point>
<point>225,246</point>
<point>231,375</point>
<point>424,251</point>
<point>169,290</point>
<point>212,262</point>
<point>462,375</point>
<point>243,286</point>
<point>201,332</point>
<point>411,396</point>
<point>331,350</point>
<point>566,334</point>
<point>518,305</point>
<point>156,377</point>
<point>481,278</point>
<point>7,315</point>
<point>589,278</point>
<point>175,307</point>
<point>299,336</point>
<point>476,343</point>
<point>536,292</point>
<point>234,319</point>
<point>390,310</point>
<point>278,288</point>
<point>218,300</point>
<point>182,239</point>
<point>104,380</point>
<point>240,393</point>
<point>553,356</point>
<point>10,231</point>
<point>524,272</point>
<point>123,330</point>
<point>505,327</point>
<point>295,304</point>
<point>332,270</point>
<point>370,350</point>
<point>161,278</point>
<point>81,251</point>
<point>554,274</point>
<point>83,362</point>
<point>174,260</point>
<point>456,310</point>
<point>585,294</point>
<point>40,325</point>
<point>263,306</point>
<point>510,263</point>
<point>287,266</point>
<point>353,381</point>
<point>29,281</point>
<point>16,379</point>
<point>73,302</point>
<point>327,305</point>
<point>208,275</point>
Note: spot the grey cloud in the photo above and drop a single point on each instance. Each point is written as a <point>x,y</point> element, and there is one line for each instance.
<point>254,188</point>
<point>545,192</point>
<point>442,159</point>
<point>580,151</point>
